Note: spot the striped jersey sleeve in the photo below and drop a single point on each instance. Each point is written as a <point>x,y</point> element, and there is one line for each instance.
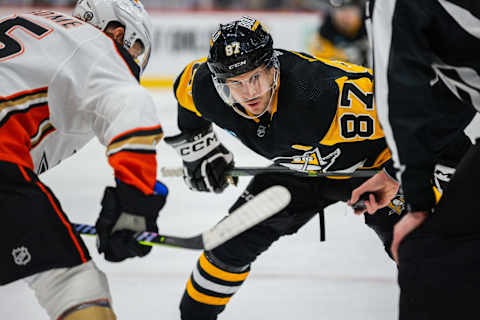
<point>132,154</point>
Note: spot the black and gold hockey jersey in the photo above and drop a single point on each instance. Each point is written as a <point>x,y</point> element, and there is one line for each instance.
<point>323,116</point>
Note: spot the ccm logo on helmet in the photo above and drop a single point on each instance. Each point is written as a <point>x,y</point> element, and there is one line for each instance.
<point>238,64</point>
<point>196,146</point>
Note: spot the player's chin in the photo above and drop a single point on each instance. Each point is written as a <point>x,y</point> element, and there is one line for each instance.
<point>256,107</point>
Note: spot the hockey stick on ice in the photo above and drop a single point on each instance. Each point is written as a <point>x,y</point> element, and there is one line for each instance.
<point>259,208</point>
<point>251,171</point>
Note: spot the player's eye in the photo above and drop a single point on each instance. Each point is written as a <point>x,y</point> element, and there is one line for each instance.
<point>255,77</point>
<point>234,83</point>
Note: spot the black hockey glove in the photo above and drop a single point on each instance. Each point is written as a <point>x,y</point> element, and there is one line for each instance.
<point>205,160</point>
<point>125,211</point>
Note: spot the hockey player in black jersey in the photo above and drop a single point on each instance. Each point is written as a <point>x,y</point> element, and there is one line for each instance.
<point>299,111</point>
<point>341,34</point>
<point>427,75</point>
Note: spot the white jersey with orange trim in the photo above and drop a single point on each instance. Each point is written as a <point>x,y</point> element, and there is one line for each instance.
<point>64,82</point>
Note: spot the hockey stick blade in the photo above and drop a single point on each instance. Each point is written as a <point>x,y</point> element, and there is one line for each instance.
<point>264,205</point>
<point>252,171</point>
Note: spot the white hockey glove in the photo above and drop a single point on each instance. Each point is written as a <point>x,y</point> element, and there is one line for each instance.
<point>205,160</point>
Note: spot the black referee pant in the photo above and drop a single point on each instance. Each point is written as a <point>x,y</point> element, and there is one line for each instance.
<point>439,263</point>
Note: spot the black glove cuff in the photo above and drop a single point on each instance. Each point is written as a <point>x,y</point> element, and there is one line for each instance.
<point>136,202</point>
<point>110,206</point>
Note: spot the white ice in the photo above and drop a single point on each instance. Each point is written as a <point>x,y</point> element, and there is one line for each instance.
<point>347,277</point>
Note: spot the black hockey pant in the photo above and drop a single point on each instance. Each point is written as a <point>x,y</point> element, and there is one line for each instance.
<point>37,235</point>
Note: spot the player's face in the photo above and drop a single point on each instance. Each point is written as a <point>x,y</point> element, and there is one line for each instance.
<point>348,18</point>
<point>252,89</point>
<point>136,50</point>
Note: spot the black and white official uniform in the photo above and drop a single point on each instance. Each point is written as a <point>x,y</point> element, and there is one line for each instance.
<point>427,87</point>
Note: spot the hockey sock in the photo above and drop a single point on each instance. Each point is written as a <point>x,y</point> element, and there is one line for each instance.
<point>210,287</point>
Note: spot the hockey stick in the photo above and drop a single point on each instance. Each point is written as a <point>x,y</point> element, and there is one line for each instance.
<point>251,171</point>
<point>264,205</point>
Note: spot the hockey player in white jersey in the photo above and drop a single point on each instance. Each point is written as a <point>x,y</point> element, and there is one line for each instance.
<point>64,81</point>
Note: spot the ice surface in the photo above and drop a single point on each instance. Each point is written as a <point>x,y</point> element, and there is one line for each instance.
<point>347,277</point>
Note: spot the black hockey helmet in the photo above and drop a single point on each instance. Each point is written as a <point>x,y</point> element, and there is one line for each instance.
<point>239,47</point>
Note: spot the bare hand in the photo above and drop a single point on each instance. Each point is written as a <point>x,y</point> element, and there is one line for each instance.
<point>407,224</point>
<point>382,190</point>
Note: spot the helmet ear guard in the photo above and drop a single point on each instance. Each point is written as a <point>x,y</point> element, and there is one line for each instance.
<point>129,13</point>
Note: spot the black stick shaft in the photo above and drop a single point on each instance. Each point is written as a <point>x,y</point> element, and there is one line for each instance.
<point>151,238</point>
<point>251,171</point>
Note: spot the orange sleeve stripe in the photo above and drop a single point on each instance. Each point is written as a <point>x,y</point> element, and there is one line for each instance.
<point>136,130</point>
<point>149,143</point>
<point>65,222</point>
<point>16,133</point>
<point>26,92</point>
<point>208,267</point>
<point>203,298</point>
<point>136,169</point>
<point>44,133</point>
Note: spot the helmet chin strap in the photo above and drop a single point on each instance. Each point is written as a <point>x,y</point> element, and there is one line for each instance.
<point>267,105</point>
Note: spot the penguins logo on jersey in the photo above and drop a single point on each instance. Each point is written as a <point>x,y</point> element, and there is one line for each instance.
<point>311,160</point>
<point>397,205</point>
